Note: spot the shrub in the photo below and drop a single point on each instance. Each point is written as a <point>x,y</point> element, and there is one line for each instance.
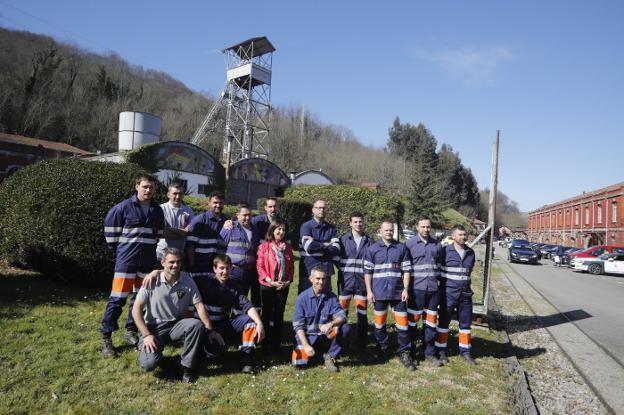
<point>295,212</point>
<point>376,206</point>
<point>52,217</point>
<point>200,204</point>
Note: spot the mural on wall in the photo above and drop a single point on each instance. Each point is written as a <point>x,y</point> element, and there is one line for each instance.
<point>261,171</point>
<point>183,157</point>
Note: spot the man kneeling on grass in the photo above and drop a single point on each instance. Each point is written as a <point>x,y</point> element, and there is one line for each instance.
<point>231,313</point>
<point>159,314</point>
<point>317,320</point>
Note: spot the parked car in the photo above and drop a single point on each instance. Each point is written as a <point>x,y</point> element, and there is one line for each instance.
<point>408,233</point>
<point>593,252</point>
<point>520,251</point>
<point>547,249</point>
<point>536,247</point>
<point>565,260</point>
<point>555,258</point>
<point>604,264</point>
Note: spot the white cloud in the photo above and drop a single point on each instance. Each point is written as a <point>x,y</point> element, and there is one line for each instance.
<point>472,66</point>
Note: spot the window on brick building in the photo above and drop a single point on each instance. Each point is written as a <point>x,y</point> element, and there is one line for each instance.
<point>586,216</point>
<point>614,212</point>
<point>599,219</point>
<point>576,216</point>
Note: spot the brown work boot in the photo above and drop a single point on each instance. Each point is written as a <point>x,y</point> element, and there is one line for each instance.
<point>330,363</point>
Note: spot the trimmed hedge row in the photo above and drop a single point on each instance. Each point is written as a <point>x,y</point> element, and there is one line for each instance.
<point>201,204</point>
<point>52,217</point>
<point>376,206</point>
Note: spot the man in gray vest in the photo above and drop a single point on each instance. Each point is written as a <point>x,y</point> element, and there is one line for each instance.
<point>159,314</point>
<point>177,219</point>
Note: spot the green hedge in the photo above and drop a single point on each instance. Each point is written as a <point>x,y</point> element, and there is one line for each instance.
<point>295,212</point>
<point>344,199</point>
<point>200,204</point>
<point>52,217</point>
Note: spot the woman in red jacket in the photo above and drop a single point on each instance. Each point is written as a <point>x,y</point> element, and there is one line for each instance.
<point>275,265</point>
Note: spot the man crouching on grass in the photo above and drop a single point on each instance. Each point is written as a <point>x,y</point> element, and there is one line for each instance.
<point>159,315</point>
<point>316,322</point>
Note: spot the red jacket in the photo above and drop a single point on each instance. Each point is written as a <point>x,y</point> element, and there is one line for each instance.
<point>267,263</point>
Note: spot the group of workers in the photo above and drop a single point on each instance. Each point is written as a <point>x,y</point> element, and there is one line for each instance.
<point>222,281</point>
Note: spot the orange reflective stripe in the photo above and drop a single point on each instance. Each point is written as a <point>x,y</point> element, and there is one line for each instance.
<point>137,282</point>
<point>464,338</point>
<point>443,337</point>
<point>413,317</point>
<point>123,285</point>
<point>299,357</point>
<point>333,333</point>
<point>380,319</point>
<point>249,334</point>
<point>432,318</point>
<point>360,304</point>
<point>400,318</point>
<point>344,303</point>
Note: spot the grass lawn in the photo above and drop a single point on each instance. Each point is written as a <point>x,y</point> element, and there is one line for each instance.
<point>50,362</point>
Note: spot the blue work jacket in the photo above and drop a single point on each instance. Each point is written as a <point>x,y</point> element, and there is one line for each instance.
<point>313,252</point>
<point>425,263</point>
<point>132,235</point>
<point>455,271</point>
<point>206,240</point>
<point>240,249</point>
<point>311,311</point>
<point>387,265</point>
<point>352,256</point>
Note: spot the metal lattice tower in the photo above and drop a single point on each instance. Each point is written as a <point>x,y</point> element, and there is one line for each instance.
<point>247,97</point>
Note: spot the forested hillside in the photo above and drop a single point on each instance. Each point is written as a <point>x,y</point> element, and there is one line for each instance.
<point>60,92</point>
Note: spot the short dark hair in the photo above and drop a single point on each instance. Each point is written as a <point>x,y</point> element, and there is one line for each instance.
<point>274,225</point>
<point>423,217</point>
<point>269,198</point>
<point>458,227</point>
<point>215,193</point>
<point>172,251</point>
<point>356,214</point>
<point>175,185</point>
<point>241,206</point>
<point>144,176</point>
<point>224,259</point>
<point>317,268</point>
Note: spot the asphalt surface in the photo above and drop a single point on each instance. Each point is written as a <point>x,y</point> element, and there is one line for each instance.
<point>585,315</point>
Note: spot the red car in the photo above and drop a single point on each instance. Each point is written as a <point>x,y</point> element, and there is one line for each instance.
<point>593,252</point>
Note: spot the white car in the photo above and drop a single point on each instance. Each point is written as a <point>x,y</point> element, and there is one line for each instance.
<point>604,264</point>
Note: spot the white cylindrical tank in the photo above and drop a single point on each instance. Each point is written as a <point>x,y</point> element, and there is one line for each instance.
<point>137,128</point>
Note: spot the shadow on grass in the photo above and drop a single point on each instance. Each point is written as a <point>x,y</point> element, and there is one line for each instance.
<point>518,324</point>
<point>20,290</point>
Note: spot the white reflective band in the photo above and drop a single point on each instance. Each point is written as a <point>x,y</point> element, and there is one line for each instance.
<point>382,266</point>
<point>406,264</point>
<point>137,240</point>
<point>465,345</point>
<point>361,297</point>
<point>238,244</point>
<point>387,274</point>
<point>360,311</point>
<point>131,231</point>
<point>442,330</point>
<point>250,326</point>
<point>431,312</point>
<point>111,239</point>
<point>214,309</point>
<point>348,261</point>
<point>465,331</point>
<point>400,327</point>
<point>381,313</point>
<point>455,277</point>
<point>124,275</point>
<point>345,297</point>
<point>358,270</point>
<point>440,345</point>
<point>191,238</point>
<point>400,313</point>
<point>424,266</point>
<point>454,269</point>
<point>431,324</point>
<point>409,310</point>
<point>112,228</point>
<point>205,250</point>
<point>306,243</point>
<point>206,241</point>
<point>141,274</point>
<point>304,253</point>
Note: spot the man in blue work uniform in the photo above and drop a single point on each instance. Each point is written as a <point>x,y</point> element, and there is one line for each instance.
<point>242,242</point>
<point>271,213</point>
<point>232,316</point>
<point>425,252</point>
<point>387,267</point>
<point>353,246</point>
<point>317,321</point>
<point>132,229</point>
<point>319,246</point>
<point>457,261</point>
<point>203,241</point>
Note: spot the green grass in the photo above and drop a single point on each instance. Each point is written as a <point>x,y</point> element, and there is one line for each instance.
<point>50,362</point>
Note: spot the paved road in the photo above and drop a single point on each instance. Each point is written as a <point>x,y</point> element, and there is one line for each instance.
<point>594,340</point>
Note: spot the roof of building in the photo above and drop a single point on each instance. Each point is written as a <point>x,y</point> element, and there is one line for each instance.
<point>613,187</point>
<point>36,142</point>
<point>261,45</point>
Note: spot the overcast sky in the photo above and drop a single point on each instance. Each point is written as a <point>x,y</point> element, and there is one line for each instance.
<point>547,74</point>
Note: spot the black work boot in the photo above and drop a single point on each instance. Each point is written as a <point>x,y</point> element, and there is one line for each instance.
<point>107,347</point>
<point>381,354</point>
<point>443,357</point>
<point>188,375</point>
<point>131,338</point>
<point>469,359</point>
<point>407,361</point>
<point>433,361</point>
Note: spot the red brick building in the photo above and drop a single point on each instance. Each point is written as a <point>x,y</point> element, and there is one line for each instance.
<point>17,151</point>
<point>592,218</point>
